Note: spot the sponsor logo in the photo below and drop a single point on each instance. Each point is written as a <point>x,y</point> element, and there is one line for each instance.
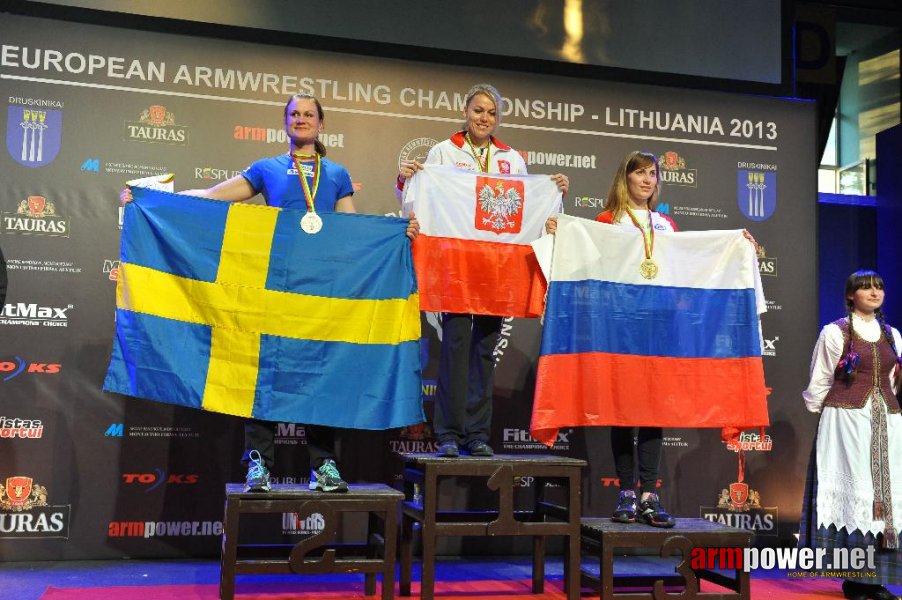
<point>135,170</point>
<point>12,368</point>
<point>767,265</point>
<point>271,135</point>
<point>158,478</point>
<point>290,434</point>
<point>111,268</point>
<point>663,208</point>
<point>557,159</point>
<point>772,305</point>
<point>24,512</point>
<point>149,529</point>
<point>813,562</point>
<point>416,149</point>
<point>149,431</point>
<point>588,202</point>
<point>293,524</point>
<point>156,125</point>
<point>674,171</point>
<point>32,315</point>
<point>414,438</point>
<point>705,212</point>
<point>36,215</point>
<point>770,346</point>
<point>214,174</point>
<point>499,205</point>
<point>91,165</point>
<point>289,480</point>
<point>34,131</point>
<point>11,428</point>
<point>751,441</point>
<point>756,193</point>
<point>504,338</point>
<point>519,439</point>
<point>739,506</point>
<point>675,442</point>
<point>121,216</point>
<point>44,266</point>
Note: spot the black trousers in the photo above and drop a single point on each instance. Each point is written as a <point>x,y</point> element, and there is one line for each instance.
<point>463,405</point>
<point>260,436</point>
<point>650,442</point>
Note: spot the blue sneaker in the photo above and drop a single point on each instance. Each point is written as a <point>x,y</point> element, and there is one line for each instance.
<point>257,474</point>
<point>327,478</point>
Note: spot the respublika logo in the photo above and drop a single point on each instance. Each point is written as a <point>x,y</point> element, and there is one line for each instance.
<point>11,368</point>
<point>158,478</point>
<point>674,171</point>
<point>24,512</point>
<point>588,202</point>
<point>34,130</point>
<point>739,506</point>
<point>36,216</point>
<point>214,174</point>
<point>156,125</point>
<point>756,190</point>
<point>35,315</point>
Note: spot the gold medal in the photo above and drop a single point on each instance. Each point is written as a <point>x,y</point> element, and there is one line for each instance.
<point>648,268</point>
<point>311,223</point>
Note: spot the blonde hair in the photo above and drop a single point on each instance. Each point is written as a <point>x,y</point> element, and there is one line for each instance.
<point>618,195</point>
<point>489,90</point>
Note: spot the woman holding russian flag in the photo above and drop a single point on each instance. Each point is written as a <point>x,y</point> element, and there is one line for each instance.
<point>463,408</point>
<point>853,497</point>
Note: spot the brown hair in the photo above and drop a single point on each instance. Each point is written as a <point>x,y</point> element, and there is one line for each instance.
<point>320,148</point>
<point>618,194</point>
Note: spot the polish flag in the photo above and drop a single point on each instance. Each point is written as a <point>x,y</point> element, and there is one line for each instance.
<point>473,254</point>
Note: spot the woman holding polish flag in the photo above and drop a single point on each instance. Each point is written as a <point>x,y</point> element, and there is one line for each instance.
<point>463,408</point>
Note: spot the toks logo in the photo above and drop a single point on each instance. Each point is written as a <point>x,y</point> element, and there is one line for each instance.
<point>158,478</point>
<point>36,215</point>
<point>24,512</point>
<point>156,125</point>
<point>10,369</point>
<point>740,506</point>
<point>499,205</point>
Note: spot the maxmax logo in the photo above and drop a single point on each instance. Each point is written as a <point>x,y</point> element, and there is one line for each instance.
<point>11,368</point>
<point>158,478</point>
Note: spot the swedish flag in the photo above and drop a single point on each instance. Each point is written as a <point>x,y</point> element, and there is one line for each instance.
<point>232,308</point>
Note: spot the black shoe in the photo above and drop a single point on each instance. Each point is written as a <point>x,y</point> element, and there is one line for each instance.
<point>627,507</point>
<point>480,448</point>
<point>864,591</point>
<point>652,513</point>
<point>448,449</point>
<point>257,474</point>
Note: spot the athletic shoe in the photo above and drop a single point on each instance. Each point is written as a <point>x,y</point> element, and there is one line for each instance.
<point>327,478</point>
<point>652,513</point>
<point>257,474</point>
<point>627,507</point>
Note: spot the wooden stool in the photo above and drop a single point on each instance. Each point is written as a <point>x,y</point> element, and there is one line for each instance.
<point>376,555</point>
<point>499,473</point>
<point>602,537</point>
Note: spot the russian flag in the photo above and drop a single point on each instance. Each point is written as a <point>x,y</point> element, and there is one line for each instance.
<point>473,253</point>
<point>680,350</point>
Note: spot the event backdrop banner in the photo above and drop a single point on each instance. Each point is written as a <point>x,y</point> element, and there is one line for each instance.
<point>87,474</point>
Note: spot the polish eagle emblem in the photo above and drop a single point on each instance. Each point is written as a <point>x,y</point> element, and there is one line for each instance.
<point>500,206</point>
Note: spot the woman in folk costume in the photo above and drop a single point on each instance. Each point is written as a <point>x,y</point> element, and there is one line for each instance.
<point>463,407</point>
<point>853,497</point>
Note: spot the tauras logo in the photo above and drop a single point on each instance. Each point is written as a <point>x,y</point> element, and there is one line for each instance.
<point>36,215</point>
<point>155,124</point>
<point>739,506</point>
<point>29,514</point>
<point>674,171</point>
<point>766,265</point>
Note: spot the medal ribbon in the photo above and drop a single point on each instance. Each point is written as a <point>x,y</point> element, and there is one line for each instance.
<point>488,153</point>
<point>308,196</point>
<point>648,237</point>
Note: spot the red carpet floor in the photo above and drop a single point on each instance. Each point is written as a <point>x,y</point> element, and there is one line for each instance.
<point>762,589</point>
